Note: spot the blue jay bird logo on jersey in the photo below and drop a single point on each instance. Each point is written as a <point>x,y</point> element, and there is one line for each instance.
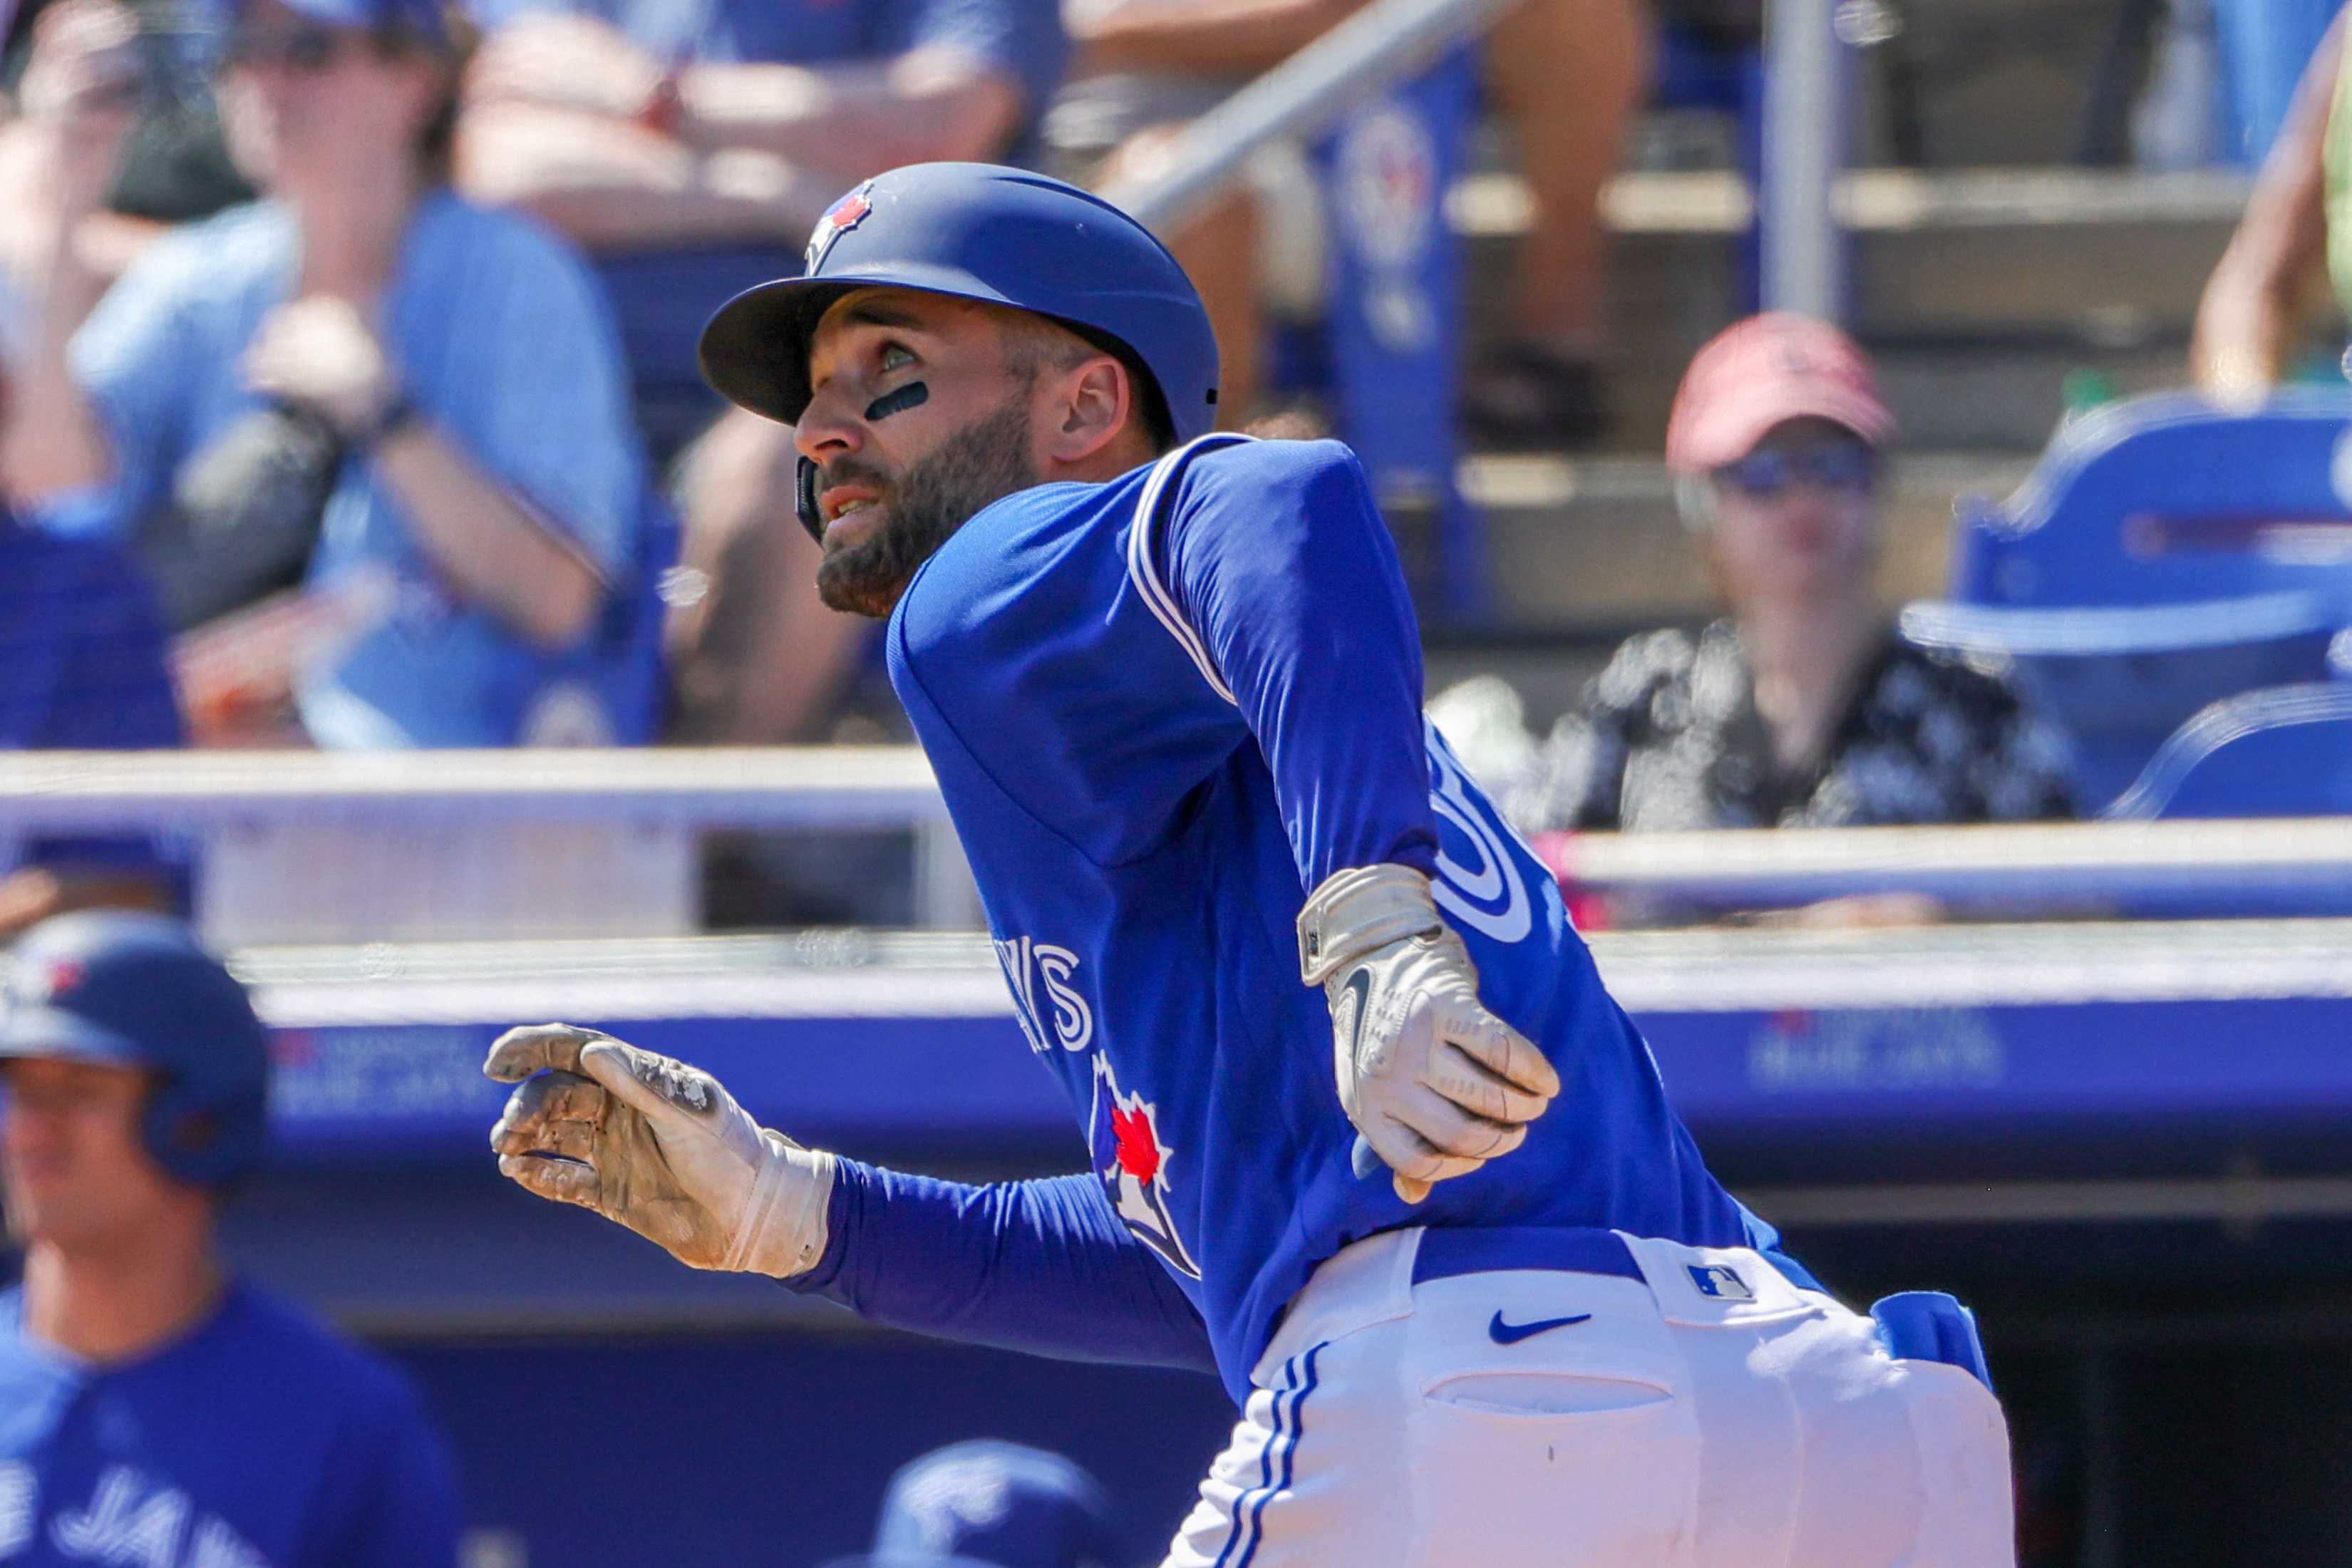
<point>1123,1132</point>
<point>1051,1012</point>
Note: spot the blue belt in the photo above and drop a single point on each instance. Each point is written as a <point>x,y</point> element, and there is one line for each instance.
<point>1575,1250</point>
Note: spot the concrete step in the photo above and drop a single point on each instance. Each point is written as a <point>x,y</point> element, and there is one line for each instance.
<point>1978,289</point>
<point>1716,200</point>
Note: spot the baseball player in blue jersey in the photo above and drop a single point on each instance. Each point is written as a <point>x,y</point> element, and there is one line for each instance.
<point>155,1411</point>
<point>1272,939</point>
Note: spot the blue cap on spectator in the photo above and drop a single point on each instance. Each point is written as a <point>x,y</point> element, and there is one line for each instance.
<point>992,1504</point>
<point>421,19</point>
<point>134,990</point>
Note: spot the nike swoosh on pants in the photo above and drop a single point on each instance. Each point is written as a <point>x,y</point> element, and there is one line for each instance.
<point>1503,1334</point>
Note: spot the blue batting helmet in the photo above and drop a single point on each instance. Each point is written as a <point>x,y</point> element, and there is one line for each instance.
<point>135,990</point>
<point>981,232</point>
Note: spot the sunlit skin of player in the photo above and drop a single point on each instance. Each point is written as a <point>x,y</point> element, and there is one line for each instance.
<point>875,341</point>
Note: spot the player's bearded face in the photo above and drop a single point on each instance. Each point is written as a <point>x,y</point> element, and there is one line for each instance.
<point>922,505</point>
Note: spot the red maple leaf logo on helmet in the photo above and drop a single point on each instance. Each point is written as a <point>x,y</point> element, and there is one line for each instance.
<point>1139,1145</point>
<point>839,219</point>
<point>851,208</point>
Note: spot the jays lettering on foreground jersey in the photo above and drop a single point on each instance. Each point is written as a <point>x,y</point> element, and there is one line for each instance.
<point>1162,710</point>
<point>257,1440</point>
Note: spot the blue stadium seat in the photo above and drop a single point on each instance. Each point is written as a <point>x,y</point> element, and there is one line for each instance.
<point>2163,556</point>
<point>2284,752</point>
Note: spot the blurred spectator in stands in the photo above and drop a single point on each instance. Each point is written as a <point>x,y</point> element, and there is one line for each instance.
<point>1568,76</point>
<point>175,168</point>
<point>692,148</point>
<point>2250,324</point>
<point>991,1504</point>
<point>1803,708</point>
<point>435,388</point>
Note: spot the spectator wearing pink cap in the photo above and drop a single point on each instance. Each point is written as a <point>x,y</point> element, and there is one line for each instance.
<point>1803,707</point>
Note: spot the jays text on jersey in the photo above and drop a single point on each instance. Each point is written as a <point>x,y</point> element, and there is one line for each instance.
<point>1162,710</point>
<point>255,1440</point>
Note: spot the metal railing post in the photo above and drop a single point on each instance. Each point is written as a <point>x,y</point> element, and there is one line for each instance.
<point>1804,145</point>
<point>1379,46</point>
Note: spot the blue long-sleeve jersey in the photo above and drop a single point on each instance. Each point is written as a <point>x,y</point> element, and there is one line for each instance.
<point>1162,710</point>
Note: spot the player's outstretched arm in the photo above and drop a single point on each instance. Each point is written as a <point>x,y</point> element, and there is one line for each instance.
<point>658,1146</point>
<point>1436,1084</point>
<point>1039,1266</point>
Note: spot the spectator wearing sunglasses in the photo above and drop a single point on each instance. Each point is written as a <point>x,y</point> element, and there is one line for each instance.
<point>482,479</point>
<point>1803,707</point>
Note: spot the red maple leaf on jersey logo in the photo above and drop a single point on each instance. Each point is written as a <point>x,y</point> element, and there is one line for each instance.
<point>1138,1146</point>
<point>1123,1133</point>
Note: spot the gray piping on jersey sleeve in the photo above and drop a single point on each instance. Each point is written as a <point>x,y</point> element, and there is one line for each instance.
<point>1143,556</point>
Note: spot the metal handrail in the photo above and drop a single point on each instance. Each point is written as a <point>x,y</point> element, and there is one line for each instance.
<point>2056,865</point>
<point>731,786</point>
<point>1379,45</point>
<point>893,786</point>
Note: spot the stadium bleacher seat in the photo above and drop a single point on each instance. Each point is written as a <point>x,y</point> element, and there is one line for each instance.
<point>2281,751</point>
<point>2164,555</point>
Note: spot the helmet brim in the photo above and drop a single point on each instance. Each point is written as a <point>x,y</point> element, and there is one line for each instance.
<point>56,1035</point>
<point>755,350</point>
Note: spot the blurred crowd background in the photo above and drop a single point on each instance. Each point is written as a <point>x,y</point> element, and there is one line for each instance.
<point>348,402</point>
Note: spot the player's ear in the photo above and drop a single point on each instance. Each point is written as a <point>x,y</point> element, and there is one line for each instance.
<point>1086,410</point>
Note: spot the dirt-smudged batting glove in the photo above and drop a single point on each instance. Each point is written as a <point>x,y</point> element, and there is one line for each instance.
<point>1436,1084</point>
<point>658,1146</point>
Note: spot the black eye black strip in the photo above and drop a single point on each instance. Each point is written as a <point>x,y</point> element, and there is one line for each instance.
<point>914,394</point>
<point>804,495</point>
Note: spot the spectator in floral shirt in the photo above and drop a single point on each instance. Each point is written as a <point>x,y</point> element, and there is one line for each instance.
<point>1802,707</point>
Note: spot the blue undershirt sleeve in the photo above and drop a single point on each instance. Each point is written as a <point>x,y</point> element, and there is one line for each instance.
<point>1276,556</point>
<point>1040,1266</point>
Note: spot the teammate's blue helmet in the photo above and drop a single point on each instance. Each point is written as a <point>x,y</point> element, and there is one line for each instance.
<point>135,990</point>
<point>982,232</point>
<point>988,1503</point>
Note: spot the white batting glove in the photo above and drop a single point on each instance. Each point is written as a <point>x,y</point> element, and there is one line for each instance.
<point>658,1146</point>
<point>1436,1084</point>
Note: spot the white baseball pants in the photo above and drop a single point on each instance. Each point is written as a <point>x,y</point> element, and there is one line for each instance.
<point>1405,1425</point>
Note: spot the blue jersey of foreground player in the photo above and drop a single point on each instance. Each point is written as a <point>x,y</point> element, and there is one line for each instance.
<point>1163,709</point>
<point>258,1441</point>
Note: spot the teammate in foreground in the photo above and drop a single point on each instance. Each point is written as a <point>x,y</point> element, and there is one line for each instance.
<point>1250,911</point>
<point>152,1410</point>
